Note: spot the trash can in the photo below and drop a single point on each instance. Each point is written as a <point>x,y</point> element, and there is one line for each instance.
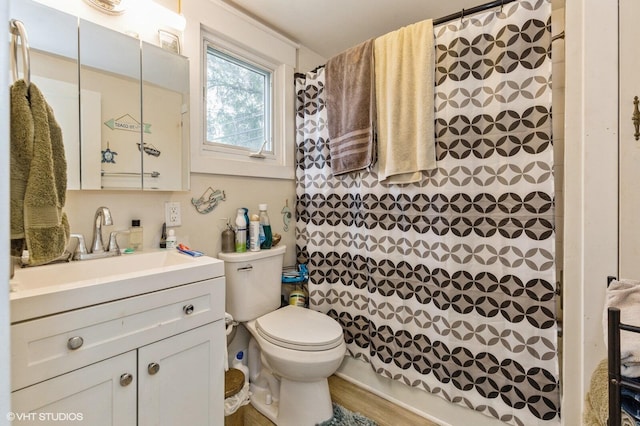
<point>236,396</point>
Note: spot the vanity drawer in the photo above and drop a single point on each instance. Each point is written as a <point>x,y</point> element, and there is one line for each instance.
<point>50,346</point>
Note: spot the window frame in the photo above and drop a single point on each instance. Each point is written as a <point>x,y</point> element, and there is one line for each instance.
<point>264,46</point>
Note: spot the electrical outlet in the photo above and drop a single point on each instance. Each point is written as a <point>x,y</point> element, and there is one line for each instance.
<point>172,214</point>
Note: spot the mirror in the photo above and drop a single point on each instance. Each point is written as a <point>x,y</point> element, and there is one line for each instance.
<point>122,104</point>
<point>111,113</point>
<point>54,69</point>
<point>165,106</point>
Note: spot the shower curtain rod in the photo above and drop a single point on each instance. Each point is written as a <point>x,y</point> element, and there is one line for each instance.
<point>467,12</point>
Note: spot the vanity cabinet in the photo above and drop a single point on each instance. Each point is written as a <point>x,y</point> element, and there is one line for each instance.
<point>95,395</point>
<point>151,359</point>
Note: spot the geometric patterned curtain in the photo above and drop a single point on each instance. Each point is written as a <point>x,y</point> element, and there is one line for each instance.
<point>448,285</point>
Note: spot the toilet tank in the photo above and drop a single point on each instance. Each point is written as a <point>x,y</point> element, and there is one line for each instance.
<point>253,282</point>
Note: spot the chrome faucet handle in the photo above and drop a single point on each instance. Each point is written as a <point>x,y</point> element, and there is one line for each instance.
<point>113,241</point>
<point>81,248</point>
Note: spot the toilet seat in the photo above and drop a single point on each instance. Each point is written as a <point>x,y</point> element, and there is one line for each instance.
<point>297,328</point>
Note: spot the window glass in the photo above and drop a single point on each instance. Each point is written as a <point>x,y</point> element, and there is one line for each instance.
<point>238,103</point>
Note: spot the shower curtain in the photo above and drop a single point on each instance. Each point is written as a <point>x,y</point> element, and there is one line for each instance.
<point>448,284</point>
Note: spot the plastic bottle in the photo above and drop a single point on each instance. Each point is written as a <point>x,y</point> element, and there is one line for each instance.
<point>228,239</point>
<point>266,236</point>
<point>241,232</point>
<point>246,219</point>
<point>172,241</point>
<point>239,365</point>
<point>135,235</point>
<point>254,233</point>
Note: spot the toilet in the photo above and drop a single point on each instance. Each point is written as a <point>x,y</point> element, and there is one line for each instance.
<point>292,351</point>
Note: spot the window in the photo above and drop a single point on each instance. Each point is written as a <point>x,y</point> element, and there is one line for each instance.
<point>237,104</point>
<point>245,96</point>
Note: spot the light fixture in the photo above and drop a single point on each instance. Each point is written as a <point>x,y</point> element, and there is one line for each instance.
<point>112,7</point>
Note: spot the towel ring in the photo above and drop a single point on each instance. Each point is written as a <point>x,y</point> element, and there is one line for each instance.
<point>18,31</point>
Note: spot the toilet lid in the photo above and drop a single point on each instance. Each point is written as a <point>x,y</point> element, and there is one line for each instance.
<point>301,329</point>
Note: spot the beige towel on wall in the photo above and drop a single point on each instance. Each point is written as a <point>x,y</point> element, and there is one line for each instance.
<point>625,295</point>
<point>351,109</point>
<point>38,177</point>
<point>404,76</point>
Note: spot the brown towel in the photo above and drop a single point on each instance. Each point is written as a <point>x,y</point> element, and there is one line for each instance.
<point>351,109</point>
<point>21,140</point>
<point>38,177</point>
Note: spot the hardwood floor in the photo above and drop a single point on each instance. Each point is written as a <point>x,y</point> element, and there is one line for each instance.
<point>358,400</point>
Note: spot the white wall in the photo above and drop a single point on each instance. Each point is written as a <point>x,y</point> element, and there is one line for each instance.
<point>4,221</point>
<point>590,190</point>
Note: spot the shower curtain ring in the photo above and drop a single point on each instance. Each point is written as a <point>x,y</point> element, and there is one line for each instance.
<point>501,5</point>
<point>461,15</point>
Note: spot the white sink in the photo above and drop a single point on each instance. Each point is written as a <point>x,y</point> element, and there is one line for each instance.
<point>45,290</point>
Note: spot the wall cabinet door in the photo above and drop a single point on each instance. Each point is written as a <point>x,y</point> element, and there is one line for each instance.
<point>94,395</point>
<point>629,150</point>
<point>181,379</point>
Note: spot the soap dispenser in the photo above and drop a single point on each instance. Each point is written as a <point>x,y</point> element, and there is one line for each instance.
<point>228,238</point>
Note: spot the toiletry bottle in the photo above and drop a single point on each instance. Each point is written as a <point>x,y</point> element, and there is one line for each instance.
<point>265,228</point>
<point>172,241</point>
<point>135,235</point>
<point>163,236</point>
<point>228,239</point>
<point>246,219</point>
<point>254,233</point>
<point>241,232</point>
<point>239,365</point>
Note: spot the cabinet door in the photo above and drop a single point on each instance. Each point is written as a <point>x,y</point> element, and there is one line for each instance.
<point>93,395</point>
<point>181,379</point>
<point>629,204</point>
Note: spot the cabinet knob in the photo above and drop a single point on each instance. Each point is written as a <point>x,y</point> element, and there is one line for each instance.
<point>75,342</point>
<point>153,368</point>
<point>188,309</point>
<point>126,379</point>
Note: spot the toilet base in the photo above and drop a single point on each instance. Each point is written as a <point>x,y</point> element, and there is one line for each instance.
<point>300,403</point>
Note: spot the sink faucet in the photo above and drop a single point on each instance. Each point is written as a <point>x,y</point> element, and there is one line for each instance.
<point>102,217</point>
<point>98,249</point>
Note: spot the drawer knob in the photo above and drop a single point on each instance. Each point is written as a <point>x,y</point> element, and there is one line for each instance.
<point>126,379</point>
<point>75,342</point>
<point>188,309</point>
<point>153,368</point>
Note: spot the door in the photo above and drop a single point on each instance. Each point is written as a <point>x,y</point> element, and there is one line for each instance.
<point>181,379</point>
<point>629,172</point>
<point>101,394</point>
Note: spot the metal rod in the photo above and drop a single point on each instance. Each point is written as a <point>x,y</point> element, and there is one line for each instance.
<point>614,365</point>
<point>467,12</point>
<point>18,31</point>
<point>558,36</point>
<point>152,174</point>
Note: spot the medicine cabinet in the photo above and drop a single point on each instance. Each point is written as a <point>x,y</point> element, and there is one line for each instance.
<point>122,104</point>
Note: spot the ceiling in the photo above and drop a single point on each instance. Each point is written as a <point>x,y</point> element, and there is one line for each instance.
<point>329,27</point>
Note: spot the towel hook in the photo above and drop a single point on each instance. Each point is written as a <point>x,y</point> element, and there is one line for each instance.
<point>17,30</point>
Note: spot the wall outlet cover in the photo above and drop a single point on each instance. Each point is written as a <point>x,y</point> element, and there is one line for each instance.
<point>172,215</point>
